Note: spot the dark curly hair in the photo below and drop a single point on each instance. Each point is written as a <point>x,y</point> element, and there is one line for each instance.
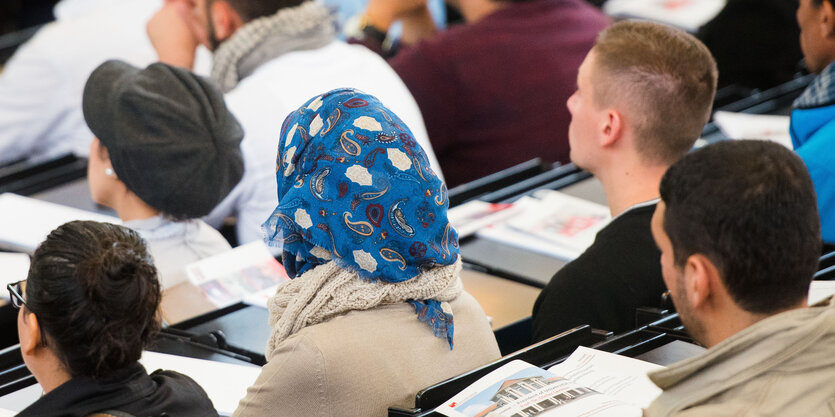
<point>750,207</point>
<point>95,291</point>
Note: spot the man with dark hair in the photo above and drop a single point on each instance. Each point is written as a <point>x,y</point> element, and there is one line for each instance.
<point>813,116</point>
<point>270,55</point>
<point>491,90</point>
<point>644,93</point>
<point>740,238</point>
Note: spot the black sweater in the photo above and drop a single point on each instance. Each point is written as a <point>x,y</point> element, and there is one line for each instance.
<point>618,273</point>
<point>130,390</point>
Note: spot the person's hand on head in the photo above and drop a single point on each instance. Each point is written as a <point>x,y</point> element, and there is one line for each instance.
<point>174,33</point>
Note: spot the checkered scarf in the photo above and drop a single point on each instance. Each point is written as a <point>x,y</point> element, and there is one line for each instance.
<point>310,25</point>
<point>821,92</point>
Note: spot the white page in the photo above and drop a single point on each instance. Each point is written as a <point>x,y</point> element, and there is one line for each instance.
<point>820,290</point>
<point>617,376</point>
<point>689,15</point>
<point>225,383</point>
<point>20,399</point>
<point>13,267</point>
<point>768,127</point>
<point>25,222</point>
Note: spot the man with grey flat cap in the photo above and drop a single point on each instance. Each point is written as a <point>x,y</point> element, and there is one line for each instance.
<point>166,152</point>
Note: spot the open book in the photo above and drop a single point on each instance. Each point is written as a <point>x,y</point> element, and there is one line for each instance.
<point>551,223</point>
<point>588,383</point>
<point>248,272</point>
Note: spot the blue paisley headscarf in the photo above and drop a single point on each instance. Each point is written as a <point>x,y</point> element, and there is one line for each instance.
<point>356,188</point>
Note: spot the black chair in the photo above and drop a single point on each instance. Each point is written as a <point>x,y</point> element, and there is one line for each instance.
<point>14,375</point>
<point>826,265</point>
<point>27,178</point>
<point>475,189</point>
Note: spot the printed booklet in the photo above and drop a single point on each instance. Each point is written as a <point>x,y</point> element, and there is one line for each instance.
<point>247,273</point>
<point>588,383</point>
<point>550,222</point>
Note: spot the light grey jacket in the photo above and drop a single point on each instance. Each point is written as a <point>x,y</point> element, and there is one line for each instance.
<point>781,366</point>
<point>173,245</point>
<point>360,363</point>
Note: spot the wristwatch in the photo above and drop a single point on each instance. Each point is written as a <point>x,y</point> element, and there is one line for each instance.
<point>370,31</point>
<point>359,28</point>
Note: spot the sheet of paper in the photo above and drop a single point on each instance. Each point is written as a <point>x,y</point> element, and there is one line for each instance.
<point>689,15</point>
<point>768,127</point>
<point>820,290</point>
<point>225,383</point>
<point>617,376</point>
<point>20,399</point>
<point>13,267</point>
<point>25,222</point>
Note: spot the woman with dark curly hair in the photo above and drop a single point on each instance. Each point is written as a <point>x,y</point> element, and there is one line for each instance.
<point>87,309</point>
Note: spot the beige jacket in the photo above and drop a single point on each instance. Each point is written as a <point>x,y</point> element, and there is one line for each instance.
<point>360,363</point>
<point>781,366</point>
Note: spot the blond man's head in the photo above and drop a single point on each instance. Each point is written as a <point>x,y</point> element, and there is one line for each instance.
<point>661,79</point>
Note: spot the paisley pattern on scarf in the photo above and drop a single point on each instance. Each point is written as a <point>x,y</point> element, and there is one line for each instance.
<point>355,188</point>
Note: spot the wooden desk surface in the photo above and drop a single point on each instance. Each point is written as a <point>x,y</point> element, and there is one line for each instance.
<point>504,300</point>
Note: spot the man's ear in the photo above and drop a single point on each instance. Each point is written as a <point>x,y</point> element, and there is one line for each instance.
<point>827,19</point>
<point>611,127</point>
<point>30,334</point>
<point>701,278</point>
<point>225,19</point>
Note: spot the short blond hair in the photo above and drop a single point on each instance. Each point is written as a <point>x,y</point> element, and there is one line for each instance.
<point>662,79</point>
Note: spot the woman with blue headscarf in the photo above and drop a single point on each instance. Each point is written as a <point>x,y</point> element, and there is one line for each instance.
<point>376,309</point>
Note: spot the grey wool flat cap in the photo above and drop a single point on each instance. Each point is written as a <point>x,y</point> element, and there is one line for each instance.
<point>170,137</point>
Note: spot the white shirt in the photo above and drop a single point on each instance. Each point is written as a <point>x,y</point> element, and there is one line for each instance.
<point>173,245</point>
<point>42,84</point>
<point>263,100</point>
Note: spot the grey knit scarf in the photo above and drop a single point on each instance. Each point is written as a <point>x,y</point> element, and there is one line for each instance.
<point>310,25</point>
<point>327,291</point>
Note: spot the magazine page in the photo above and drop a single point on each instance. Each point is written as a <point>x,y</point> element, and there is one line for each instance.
<point>519,389</point>
<point>563,219</point>
<point>471,216</point>
<point>619,377</point>
<point>248,272</point>
<point>551,223</point>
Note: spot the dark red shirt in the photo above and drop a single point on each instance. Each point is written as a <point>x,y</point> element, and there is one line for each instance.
<point>493,92</point>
